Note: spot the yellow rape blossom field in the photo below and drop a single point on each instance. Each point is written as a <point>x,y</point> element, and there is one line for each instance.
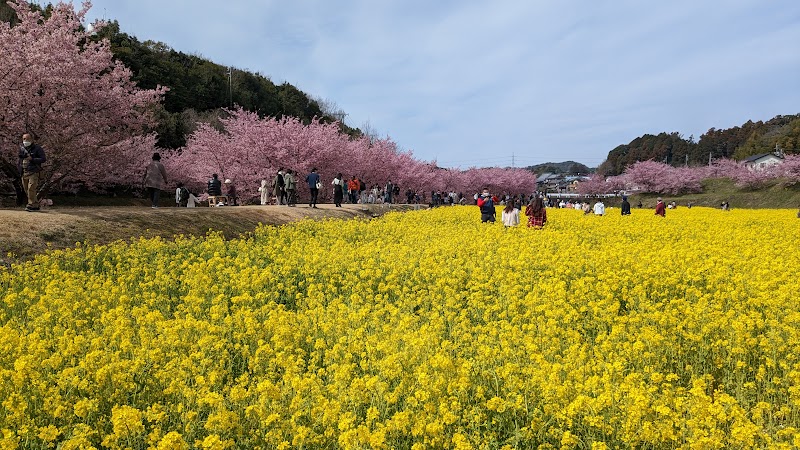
<point>418,330</point>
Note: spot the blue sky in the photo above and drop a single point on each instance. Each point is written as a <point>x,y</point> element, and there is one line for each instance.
<point>476,83</point>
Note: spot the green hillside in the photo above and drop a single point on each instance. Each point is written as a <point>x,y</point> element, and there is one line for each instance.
<point>751,138</point>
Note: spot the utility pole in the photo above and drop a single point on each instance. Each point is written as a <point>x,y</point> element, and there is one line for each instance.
<point>512,160</point>
<point>687,160</point>
<point>709,158</point>
<point>230,85</point>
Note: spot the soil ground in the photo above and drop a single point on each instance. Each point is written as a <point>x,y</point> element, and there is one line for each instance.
<point>26,234</point>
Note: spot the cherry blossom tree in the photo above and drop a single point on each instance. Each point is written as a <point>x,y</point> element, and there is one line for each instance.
<point>62,85</point>
<point>248,149</point>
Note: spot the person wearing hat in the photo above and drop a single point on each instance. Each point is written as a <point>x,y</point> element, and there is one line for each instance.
<point>626,206</point>
<point>231,192</point>
<point>661,209</point>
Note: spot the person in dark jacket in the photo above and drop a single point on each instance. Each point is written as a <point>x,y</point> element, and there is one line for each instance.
<point>313,185</point>
<point>486,203</point>
<point>214,186</point>
<point>338,190</point>
<point>31,157</point>
<point>233,198</point>
<point>279,187</point>
<point>626,206</point>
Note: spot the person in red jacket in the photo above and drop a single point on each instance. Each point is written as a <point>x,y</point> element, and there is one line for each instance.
<point>486,203</point>
<point>661,208</point>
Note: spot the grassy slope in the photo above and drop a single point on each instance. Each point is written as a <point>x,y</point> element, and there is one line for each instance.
<point>717,191</point>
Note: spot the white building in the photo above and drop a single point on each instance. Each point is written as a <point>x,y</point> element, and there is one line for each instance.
<point>762,161</point>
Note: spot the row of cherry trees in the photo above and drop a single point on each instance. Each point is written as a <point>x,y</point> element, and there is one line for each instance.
<point>660,178</point>
<point>59,82</point>
<point>249,149</point>
<point>63,86</point>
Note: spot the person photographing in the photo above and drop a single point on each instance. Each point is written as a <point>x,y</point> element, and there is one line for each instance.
<point>486,203</point>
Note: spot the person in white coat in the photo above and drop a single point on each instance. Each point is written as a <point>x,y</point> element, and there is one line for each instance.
<point>265,191</point>
<point>599,208</point>
<point>510,215</point>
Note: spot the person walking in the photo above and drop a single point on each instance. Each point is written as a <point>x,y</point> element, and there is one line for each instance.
<point>338,190</point>
<point>290,184</point>
<point>536,212</point>
<point>626,206</point>
<point>313,185</point>
<point>661,208</point>
<point>155,179</point>
<point>278,187</point>
<point>31,158</point>
<point>510,215</point>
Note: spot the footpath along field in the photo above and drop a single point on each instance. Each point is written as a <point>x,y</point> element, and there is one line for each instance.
<point>418,330</point>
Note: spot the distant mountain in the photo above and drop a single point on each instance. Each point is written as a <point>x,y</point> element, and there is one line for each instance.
<point>752,138</point>
<point>566,167</point>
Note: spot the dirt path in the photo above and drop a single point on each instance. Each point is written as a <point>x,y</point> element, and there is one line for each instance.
<point>25,234</point>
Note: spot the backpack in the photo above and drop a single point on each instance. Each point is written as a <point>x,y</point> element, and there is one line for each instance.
<point>488,206</point>
<point>184,194</point>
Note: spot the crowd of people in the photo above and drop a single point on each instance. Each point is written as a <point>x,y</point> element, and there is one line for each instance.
<point>282,190</point>
<point>536,207</point>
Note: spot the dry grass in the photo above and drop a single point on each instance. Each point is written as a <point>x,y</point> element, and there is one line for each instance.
<point>24,235</point>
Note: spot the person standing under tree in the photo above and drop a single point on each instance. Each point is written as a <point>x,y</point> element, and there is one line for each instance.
<point>155,179</point>
<point>338,190</point>
<point>182,195</point>
<point>313,185</point>
<point>232,197</point>
<point>389,190</point>
<point>290,184</point>
<point>278,185</point>
<point>31,157</point>
<point>264,190</point>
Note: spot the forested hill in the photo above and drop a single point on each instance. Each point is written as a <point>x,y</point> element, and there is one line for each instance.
<point>752,138</point>
<point>570,167</point>
<point>198,88</point>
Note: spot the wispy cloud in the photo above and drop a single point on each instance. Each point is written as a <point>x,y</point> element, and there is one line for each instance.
<point>466,80</point>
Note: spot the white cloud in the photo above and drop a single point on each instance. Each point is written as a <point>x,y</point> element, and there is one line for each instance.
<point>544,80</point>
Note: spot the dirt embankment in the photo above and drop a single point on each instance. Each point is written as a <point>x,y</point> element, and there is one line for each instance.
<point>26,234</point>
